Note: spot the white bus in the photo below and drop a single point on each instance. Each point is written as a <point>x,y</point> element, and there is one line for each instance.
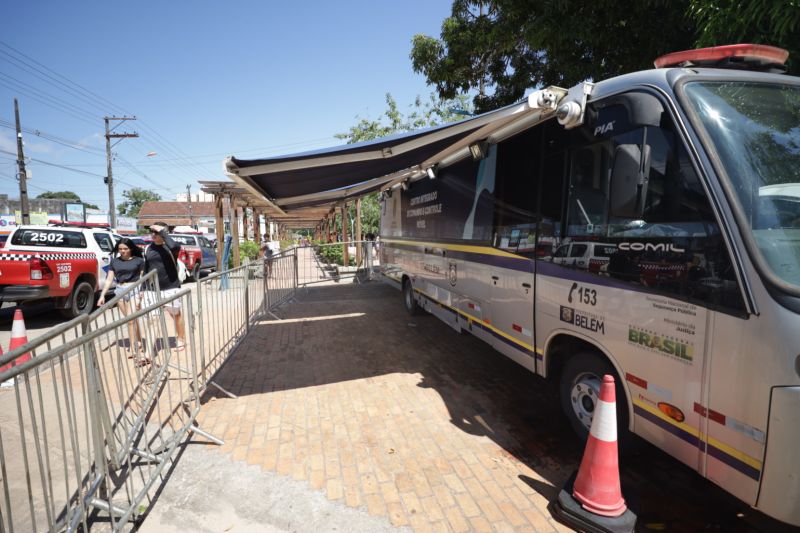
<point>677,188</point>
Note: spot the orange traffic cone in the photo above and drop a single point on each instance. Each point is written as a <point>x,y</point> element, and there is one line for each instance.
<point>19,337</point>
<point>593,500</point>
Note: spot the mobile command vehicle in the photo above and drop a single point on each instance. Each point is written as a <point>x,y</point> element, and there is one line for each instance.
<point>687,178</point>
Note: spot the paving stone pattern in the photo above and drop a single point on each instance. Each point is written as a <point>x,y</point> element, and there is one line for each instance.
<point>408,420</point>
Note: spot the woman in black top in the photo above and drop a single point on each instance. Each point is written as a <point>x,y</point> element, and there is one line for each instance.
<point>127,267</point>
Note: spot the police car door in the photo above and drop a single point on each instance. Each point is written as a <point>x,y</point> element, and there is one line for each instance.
<point>105,245</point>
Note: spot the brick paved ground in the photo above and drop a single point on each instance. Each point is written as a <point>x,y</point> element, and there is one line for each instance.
<point>413,422</point>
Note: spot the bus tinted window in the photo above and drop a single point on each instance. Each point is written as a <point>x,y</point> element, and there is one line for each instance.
<point>675,247</point>
<point>517,191</point>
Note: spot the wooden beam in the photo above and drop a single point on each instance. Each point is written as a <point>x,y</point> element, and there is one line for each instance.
<point>234,231</point>
<point>345,253</point>
<point>220,228</point>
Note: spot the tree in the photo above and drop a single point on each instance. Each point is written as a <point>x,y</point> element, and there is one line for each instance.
<point>774,22</point>
<point>500,48</point>
<point>64,195</point>
<point>432,112</point>
<point>423,114</point>
<point>134,198</point>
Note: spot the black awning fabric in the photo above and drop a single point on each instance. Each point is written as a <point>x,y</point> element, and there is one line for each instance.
<point>340,170</point>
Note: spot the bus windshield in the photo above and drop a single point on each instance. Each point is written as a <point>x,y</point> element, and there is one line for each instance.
<point>754,128</point>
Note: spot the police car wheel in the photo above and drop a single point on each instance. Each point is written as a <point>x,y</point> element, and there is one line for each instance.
<point>580,389</point>
<point>196,272</point>
<point>408,299</point>
<point>81,302</point>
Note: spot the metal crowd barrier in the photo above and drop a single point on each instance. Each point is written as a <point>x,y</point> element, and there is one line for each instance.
<point>93,419</point>
<point>319,263</point>
<point>99,410</point>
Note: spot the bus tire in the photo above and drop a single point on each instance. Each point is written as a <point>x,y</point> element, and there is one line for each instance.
<point>410,303</point>
<point>81,302</point>
<point>579,390</point>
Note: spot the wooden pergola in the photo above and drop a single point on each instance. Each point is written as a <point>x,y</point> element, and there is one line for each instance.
<point>320,218</point>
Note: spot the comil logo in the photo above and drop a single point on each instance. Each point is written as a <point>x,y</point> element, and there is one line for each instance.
<point>649,246</point>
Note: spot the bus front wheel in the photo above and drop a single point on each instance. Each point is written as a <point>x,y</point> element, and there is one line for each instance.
<point>580,390</point>
<point>409,301</point>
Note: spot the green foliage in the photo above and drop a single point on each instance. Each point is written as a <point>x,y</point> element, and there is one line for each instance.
<point>773,22</point>
<point>423,114</point>
<point>500,48</point>
<point>247,250</point>
<point>134,198</point>
<point>334,254</point>
<point>64,195</point>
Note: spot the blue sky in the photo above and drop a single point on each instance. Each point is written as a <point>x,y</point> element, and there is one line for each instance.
<point>205,78</point>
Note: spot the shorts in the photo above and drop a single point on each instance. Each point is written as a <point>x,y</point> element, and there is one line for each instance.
<point>173,306</point>
<point>134,294</point>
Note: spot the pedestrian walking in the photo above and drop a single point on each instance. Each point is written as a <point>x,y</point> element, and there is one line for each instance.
<point>126,267</point>
<point>162,256</point>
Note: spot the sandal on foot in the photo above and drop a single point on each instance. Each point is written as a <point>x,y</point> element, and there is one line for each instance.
<point>144,361</point>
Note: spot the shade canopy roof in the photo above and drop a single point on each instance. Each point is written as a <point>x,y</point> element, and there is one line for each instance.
<point>322,178</point>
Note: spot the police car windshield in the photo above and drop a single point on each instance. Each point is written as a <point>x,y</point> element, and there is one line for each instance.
<point>754,129</point>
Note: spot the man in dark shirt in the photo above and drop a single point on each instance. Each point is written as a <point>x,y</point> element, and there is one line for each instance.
<point>162,256</point>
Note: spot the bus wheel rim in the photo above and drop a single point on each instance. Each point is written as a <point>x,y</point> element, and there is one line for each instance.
<point>583,397</point>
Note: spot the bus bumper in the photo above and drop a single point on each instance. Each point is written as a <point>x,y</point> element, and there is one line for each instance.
<point>780,484</point>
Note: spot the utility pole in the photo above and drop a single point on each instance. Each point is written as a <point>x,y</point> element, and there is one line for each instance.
<point>189,199</point>
<point>23,177</point>
<point>110,178</point>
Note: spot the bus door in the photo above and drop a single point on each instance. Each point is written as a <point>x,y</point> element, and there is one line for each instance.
<point>514,243</point>
<point>512,311</point>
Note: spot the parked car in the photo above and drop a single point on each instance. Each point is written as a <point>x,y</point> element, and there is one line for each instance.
<point>67,264</point>
<point>587,255</point>
<point>197,253</point>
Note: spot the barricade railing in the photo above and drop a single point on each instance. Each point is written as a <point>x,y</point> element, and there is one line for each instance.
<point>319,263</point>
<point>93,419</point>
<point>99,410</point>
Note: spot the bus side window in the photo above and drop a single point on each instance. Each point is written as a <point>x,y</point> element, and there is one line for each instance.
<point>552,185</point>
<point>516,192</point>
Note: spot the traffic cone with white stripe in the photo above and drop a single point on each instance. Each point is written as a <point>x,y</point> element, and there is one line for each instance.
<point>19,337</point>
<point>592,500</point>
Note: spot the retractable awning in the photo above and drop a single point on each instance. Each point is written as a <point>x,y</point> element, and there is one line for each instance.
<point>334,174</point>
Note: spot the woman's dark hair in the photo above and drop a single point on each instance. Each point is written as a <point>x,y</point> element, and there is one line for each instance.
<point>135,250</point>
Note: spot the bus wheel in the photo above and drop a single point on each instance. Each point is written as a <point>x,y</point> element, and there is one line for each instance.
<point>580,389</point>
<point>408,298</point>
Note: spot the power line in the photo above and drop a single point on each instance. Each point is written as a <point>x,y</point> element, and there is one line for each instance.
<point>53,138</point>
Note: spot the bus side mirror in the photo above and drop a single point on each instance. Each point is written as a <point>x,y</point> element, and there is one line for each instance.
<point>629,179</point>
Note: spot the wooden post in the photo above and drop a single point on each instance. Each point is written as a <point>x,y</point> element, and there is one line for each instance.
<point>234,231</point>
<point>219,228</point>
<point>245,224</point>
<point>358,236</point>
<point>345,253</point>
